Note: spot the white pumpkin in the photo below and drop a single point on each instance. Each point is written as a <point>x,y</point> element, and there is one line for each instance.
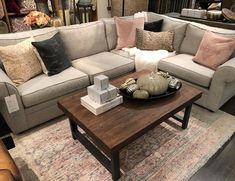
<point>153,83</point>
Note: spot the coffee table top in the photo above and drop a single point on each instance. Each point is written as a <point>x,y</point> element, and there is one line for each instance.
<point>121,125</point>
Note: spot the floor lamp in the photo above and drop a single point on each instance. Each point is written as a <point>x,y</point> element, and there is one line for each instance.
<point>123,7</point>
<point>55,7</point>
<point>63,10</point>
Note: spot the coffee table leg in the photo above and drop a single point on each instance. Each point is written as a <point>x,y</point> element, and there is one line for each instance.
<point>115,165</point>
<point>74,128</point>
<point>186,116</point>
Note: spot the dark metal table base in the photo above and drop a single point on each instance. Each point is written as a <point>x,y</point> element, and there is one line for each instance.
<point>112,164</point>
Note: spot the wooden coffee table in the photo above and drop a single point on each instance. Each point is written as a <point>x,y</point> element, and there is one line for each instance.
<point>108,133</point>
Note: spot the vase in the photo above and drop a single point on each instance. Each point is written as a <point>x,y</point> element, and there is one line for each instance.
<point>56,21</point>
<point>35,27</point>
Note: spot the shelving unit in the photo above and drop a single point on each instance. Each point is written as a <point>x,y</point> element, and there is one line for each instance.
<point>218,24</point>
<point>128,7</point>
<point>208,2</point>
<point>9,15</point>
<point>167,6</point>
<point>224,3</point>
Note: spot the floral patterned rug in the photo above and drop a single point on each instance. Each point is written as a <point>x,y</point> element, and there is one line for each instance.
<point>167,152</point>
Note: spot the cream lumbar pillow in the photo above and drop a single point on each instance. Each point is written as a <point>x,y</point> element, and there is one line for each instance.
<point>20,61</point>
<point>147,40</point>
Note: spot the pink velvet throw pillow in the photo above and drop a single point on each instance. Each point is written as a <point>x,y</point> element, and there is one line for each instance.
<point>214,50</point>
<point>126,30</point>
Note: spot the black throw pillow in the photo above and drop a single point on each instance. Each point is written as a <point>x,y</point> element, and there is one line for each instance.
<point>155,26</point>
<point>53,55</point>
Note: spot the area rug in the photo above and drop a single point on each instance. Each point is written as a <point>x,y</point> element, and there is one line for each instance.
<point>167,152</point>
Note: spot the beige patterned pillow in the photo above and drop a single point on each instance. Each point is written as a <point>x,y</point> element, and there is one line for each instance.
<point>147,40</point>
<point>20,61</point>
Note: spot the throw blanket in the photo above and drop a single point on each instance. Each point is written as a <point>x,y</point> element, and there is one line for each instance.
<point>141,14</point>
<point>147,59</point>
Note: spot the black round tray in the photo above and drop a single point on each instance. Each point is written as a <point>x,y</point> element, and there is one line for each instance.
<point>168,93</point>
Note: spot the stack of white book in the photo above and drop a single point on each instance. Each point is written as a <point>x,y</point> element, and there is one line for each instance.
<point>102,96</point>
<point>194,13</point>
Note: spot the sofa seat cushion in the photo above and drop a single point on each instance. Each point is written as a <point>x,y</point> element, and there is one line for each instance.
<point>183,67</point>
<point>43,88</point>
<point>110,64</point>
<point>123,54</point>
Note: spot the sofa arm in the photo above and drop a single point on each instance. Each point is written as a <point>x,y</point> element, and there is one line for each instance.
<point>222,86</point>
<point>6,83</point>
<point>226,72</point>
<point>16,119</point>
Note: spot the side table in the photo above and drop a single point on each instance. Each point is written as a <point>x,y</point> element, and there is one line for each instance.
<point>87,8</point>
<point>5,134</point>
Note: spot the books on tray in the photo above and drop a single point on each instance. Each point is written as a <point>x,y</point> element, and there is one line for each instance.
<point>97,108</point>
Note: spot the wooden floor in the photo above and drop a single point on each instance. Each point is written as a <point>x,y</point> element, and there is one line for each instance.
<point>221,166</point>
<point>229,107</point>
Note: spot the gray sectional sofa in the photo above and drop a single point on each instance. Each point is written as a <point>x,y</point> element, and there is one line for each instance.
<point>91,49</point>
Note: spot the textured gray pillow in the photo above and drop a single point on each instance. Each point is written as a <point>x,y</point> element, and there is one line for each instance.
<point>146,40</point>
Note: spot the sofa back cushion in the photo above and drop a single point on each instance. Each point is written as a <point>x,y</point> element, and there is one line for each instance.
<point>84,39</point>
<point>194,35</point>
<point>14,38</point>
<point>171,24</point>
<point>43,34</point>
<point>111,31</point>
<point>39,35</point>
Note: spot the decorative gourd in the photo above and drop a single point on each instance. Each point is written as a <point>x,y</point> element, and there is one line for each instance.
<point>141,94</point>
<point>128,82</point>
<point>153,84</point>
<point>131,88</point>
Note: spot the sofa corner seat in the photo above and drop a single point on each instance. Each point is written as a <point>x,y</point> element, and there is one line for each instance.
<point>185,68</point>
<point>107,63</point>
<point>217,86</point>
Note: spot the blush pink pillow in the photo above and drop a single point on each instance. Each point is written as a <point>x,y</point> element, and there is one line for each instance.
<point>126,30</point>
<point>214,50</point>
